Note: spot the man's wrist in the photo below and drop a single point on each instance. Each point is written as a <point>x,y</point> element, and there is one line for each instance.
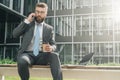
<point>26,21</point>
<point>53,48</point>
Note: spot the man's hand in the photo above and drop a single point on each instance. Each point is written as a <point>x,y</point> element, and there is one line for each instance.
<point>47,48</point>
<point>31,17</point>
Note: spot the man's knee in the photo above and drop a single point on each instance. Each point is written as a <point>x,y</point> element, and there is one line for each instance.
<point>23,60</point>
<point>54,54</point>
<point>54,58</point>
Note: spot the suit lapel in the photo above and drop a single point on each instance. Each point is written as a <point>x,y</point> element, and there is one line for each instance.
<point>32,29</point>
<point>44,33</point>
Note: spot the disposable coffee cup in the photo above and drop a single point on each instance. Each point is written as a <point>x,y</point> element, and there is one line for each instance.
<point>44,47</point>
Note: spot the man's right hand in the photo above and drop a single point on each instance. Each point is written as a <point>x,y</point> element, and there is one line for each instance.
<point>31,16</point>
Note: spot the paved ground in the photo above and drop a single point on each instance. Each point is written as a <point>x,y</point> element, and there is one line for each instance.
<point>71,72</point>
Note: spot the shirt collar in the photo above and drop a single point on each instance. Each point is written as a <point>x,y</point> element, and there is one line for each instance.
<point>39,23</point>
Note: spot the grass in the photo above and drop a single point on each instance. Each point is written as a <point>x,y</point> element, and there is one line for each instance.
<point>33,78</point>
<point>17,78</point>
<point>105,64</point>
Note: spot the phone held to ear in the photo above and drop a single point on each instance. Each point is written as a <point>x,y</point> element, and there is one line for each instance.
<point>31,17</point>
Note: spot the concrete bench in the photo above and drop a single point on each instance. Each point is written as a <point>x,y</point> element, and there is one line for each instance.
<point>75,72</point>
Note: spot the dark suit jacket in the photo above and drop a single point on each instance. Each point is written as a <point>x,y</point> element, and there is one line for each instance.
<point>27,31</point>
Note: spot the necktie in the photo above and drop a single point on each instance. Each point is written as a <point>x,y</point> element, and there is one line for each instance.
<point>36,42</point>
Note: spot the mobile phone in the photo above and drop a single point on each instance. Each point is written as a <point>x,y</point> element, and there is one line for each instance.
<point>33,17</point>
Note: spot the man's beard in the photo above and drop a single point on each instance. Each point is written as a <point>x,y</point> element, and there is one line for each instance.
<point>39,20</point>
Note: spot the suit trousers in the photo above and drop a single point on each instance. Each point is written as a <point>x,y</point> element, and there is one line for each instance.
<point>25,60</point>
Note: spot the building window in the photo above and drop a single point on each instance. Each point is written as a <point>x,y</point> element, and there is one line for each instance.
<point>65,51</point>
<point>102,23</point>
<point>82,4</point>
<point>64,25</point>
<point>50,21</point>
<point>83,25</point>
<point>80,50</point>
<point>103,52</point>
<point>5,2</point>
<point>29,6</point>
<point>1,52</point>
<point>11,52</point>
<point>17,5</point>
<point>102,3</point>
<point>2,32</point>
<point>50,3</point>
<point>9,38</point>
<point>63,4</point>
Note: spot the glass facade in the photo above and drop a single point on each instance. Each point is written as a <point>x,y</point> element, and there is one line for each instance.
<point>8,21</point>
<point>81,27</point>
<point>8,44</point>
<point>17,5</point>
<point>29,6</point>
<point>87,26</point>
<point>5,2</point>
<point>63,25</point>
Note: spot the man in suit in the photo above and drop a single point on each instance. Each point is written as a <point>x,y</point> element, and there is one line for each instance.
<point>33,29</point>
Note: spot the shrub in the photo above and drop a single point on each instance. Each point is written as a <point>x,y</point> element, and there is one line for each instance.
<point>7,61</point>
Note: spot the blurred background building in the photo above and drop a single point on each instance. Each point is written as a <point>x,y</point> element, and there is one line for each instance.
<point>81,27</point>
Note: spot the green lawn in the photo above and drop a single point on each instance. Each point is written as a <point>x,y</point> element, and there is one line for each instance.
<point>17,78</point>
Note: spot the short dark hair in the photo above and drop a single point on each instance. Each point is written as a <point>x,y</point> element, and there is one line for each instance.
<point>42,5</point>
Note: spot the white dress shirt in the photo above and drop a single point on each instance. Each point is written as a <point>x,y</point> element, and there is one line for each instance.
<point>40,25</point>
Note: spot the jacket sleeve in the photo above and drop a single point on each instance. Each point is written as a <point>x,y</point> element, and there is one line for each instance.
<point>19,30</point>
<point>52,40</point>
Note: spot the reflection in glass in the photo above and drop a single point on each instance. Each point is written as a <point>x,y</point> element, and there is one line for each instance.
<point>65,51</point>
<point>1,52</point>
<point>64,25</point>
<point>63,4</point>
<point>2,32</point>
<point>11,52</point>
<point>5,2</point>
<point>9,38</point>
<point>30,7</point>
<point>17,5</point>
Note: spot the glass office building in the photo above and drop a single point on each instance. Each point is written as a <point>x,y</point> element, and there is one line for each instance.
<point>81,27</point>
